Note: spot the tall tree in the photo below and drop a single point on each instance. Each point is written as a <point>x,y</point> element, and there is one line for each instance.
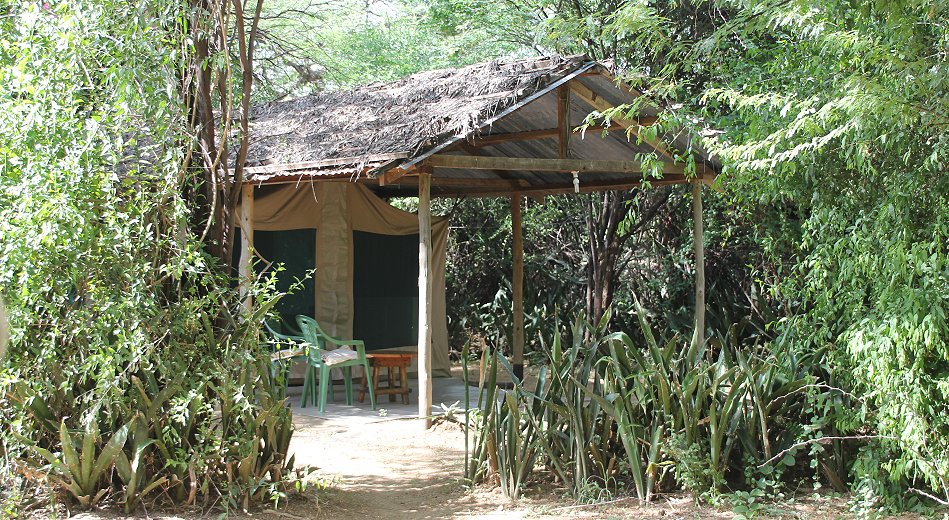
<point>224,37</point>
<point>612,219</point>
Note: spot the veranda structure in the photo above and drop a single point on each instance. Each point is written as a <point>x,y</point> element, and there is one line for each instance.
<point>499,129</point>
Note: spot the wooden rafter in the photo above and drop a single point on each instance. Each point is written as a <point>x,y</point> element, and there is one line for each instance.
<point>392,175</point>
<point>622,85</point>
<point>591,98</point>
<point>563,121</point>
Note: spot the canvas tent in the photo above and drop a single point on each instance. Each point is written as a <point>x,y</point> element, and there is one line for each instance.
<point>362,286</point>
<point>498,129</point>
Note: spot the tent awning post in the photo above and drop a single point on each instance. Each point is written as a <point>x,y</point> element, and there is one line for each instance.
<point>517,285</point>
<point>425,297</point>
<point>246,269</point>
<point>698,239</point>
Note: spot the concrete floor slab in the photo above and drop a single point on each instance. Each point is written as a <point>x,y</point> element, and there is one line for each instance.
<point>448,391</point>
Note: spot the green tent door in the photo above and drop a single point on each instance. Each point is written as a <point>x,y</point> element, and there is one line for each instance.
<point>385,289</point>
<point>295,251</point>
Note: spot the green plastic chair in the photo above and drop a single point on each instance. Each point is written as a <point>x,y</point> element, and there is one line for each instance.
<point>324,360</point>
<point>286,331</point>
<point>285,349</point>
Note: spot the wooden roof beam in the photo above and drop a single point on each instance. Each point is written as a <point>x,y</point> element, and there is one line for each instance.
<point>471,150</point>
<point>393,175</point>
<point>528,135</point>
<point>563,188</point>
<point>550,133</point>
<point>472,162</point>
<point>454,182</point>
<point>277,168</point>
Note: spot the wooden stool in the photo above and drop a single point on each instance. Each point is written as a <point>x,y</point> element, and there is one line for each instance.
<point>397,365</point>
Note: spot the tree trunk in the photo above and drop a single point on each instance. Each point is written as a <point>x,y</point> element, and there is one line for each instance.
<point>215,28</point>
<point>611,219</point>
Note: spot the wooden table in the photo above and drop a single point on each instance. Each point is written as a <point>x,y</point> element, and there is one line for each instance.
<point>397,365</point>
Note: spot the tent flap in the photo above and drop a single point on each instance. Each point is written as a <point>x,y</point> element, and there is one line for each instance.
<point>336,210</point>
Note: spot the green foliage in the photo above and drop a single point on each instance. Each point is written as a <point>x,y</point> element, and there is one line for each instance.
<point>129,375</point>
<point>616,415</point>
<point>505,445</point>
<point>480,248</point>
<point>834,117</point>
<point>80,472</point>
<point>859,148</point>
<point>831,239</point>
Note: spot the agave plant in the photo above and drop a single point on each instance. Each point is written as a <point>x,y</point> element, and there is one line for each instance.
<point>138,477</point>
<point>608,410</point>
<point>81,471</point>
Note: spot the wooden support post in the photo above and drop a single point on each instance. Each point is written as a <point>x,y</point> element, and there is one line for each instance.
<point>246,268</point>
<point>563,120</point>
<point>425,297</point>
<point>698,238</point>
<point>517,284</point>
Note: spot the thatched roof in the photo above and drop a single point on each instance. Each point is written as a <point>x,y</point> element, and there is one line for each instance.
<point>506,110</point>
<point>403,117</point>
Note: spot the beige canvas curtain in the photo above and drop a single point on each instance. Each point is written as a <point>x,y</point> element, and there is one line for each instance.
<point>335,210</point>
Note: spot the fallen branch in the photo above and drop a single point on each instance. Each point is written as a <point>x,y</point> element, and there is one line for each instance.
<point>823,440</point>
<point>580,506</point>
<point>934,498</point>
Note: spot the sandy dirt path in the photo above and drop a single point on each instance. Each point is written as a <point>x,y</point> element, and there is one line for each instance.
<point>391,469</point>
<point>384,467</point>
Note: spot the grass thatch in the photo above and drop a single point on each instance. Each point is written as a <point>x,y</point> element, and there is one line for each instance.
<point>406,116</point>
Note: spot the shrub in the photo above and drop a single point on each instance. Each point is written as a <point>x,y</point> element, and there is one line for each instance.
<point>132,371</point>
